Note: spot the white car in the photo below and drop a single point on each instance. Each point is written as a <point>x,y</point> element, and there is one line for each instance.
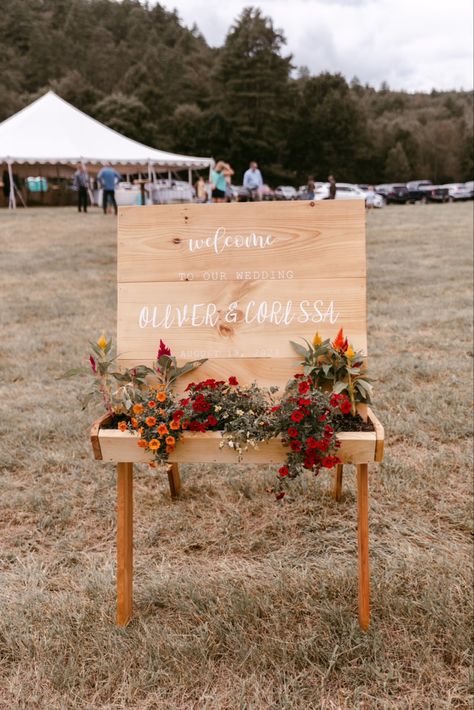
<point>458,191</point>
<point>346,191</point>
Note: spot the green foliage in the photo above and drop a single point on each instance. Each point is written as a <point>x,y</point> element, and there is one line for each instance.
<point>135,67</point>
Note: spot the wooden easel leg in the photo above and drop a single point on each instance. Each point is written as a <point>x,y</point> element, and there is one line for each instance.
<point>363,537</point>
<point>124,542</point>
<point>338,482</point>
<point>174,480</point>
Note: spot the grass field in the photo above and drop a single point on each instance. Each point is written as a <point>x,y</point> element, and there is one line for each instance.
<point>240,603</point>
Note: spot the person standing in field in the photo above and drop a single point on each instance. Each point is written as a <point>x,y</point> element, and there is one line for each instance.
<point>201,192</point>
<point>332,187</point>
<point>81,184</point>
<point>370,197</point>
<point>219,183</point>
<point>253,181</point>
<point>108,178</point>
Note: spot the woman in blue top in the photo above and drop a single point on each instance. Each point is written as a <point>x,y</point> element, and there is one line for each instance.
<point>218,177</point>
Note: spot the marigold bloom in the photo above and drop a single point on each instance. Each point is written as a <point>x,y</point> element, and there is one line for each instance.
<point>162,429</point>
<point>134,423</point>
<point>169,449</point>
<point>317,340</point>
<point>151,404</point>
<point>170,440</point>
<point>161,397</point>
<point>150,421</point>
<point>102,342</point>
<point>175,425</point>
<point>137,408</point>
<point>123,426</point>
<point>154,444</point>
<point>142,443</point>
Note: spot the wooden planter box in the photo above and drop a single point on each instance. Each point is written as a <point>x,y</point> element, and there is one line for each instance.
<point>114,446</point>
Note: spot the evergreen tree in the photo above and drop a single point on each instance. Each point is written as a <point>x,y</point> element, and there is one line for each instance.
<point>397,167</point>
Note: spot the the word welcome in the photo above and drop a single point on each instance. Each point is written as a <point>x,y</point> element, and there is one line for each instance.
<point>221,241</point>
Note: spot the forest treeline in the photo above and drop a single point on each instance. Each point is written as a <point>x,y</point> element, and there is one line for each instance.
<point>138,69</point>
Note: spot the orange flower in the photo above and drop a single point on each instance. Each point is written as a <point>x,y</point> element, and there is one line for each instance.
<point>154,444</point>
<point>152,404</point>
<point>174,425</point>
<point>152,464</point>
<point>134,422</point>
<point>161,397</point>
<point>150,421</point>
<point>138,408</point>
<point>169,449</point>
<point>122,426</point>
<point>170,440</point>
<point>142,443</point>
<point>162,429</point>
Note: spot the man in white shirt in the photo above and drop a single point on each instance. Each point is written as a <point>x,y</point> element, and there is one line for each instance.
<point>253,181</point>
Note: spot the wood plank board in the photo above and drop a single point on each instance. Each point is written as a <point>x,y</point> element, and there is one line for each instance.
<point>204,242</point>
<point>236,319</point>
<point>356,447</point>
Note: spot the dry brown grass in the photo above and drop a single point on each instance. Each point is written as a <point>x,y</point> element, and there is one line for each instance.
<point>240,603</point>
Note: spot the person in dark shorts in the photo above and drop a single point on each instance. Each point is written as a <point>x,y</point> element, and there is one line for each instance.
<point>81,184</point>
<point>219,182</point>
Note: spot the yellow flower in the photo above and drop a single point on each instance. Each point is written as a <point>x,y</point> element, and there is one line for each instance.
<point>317,340</point>
<point>102,342</point>
<point>350,353</point>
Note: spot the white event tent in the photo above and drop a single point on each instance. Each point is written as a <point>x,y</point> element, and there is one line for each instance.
<point>50,131</point>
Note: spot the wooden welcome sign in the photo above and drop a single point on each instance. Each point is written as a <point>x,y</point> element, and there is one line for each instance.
<point>234,284</point>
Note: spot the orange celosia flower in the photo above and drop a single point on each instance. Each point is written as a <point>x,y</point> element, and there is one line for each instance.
<point>174,425</point>
<point>340,343</point>
<point>350,353</point>
<point>150,421</point>
<point>122,426</point>
<point>142,443</point>
<point>137,408</point>
<point>169,449</point>
<point>162,429</point>
<point>134,422</point>
<point>170,440</point>
<point>154,444</point>
<point>161,397</point>
<point>152,404</point>
<point>102,342</point>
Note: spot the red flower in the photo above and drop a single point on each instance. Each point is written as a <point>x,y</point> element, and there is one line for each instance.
<point>303,387</point>
<point>311,442</point>
<point>296,445</point>
<point>162,350</point>
<point>330,461</point>
<point>280,495</point>
<point>212,421</point>
<point>323,417</point>
<point>293,432</point>
<point>283,471</point>
<point>276,409</point>
<point>334,400</point>
<point>93,365</point>
<point>297,416</point>
<point>233,381</point>
<point>304,402</point>
<point>340,343</point>
<point>345,407</point>
<point>299,376</point>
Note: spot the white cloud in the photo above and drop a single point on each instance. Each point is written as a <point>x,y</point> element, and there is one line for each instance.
<point>415,45</point>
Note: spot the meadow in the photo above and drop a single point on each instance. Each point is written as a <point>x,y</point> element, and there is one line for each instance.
<point>240,603</point>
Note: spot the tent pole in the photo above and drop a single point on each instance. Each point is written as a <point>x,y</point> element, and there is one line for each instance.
<point>169,175</point>
<point>190,176</point>
<point>11,197</point>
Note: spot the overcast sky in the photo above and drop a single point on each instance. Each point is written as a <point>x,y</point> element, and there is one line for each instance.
<point>415,45</point>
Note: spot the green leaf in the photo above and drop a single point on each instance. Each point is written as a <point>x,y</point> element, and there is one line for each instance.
<point>299,349</point>
<point>74,372</point>
<point>339,387</point>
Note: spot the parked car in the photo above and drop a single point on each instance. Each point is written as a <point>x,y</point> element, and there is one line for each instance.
<point>395,193</point>
<point>285,192</point>
<point>417,190</point>
<point>436,193</point>
<point>470,186</point>
<point>346,191</point>
<point>458,192</point>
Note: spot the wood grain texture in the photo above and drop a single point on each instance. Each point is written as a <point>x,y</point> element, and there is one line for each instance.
<point>363,543</point>
<point>204,448</point>
<point>380,434</point>
<point>124,542</point>
<point>234,331</point>
<point>308,238</point>
<point>338,482</point>
<point>174,480</point>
